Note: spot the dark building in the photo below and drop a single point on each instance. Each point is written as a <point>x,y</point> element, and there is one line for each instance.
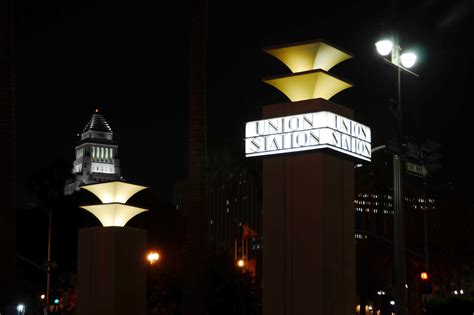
<point>374,236</point>
<point>96,155</point>
<point>233,210</point>
<point>7,158</point>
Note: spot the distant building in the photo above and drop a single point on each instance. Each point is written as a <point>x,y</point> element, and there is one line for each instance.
<point>232,201</point>
<point>96,155</point>
<point>233,212</point>
<point>374,213</point>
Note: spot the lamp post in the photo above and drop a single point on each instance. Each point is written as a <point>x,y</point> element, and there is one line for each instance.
<point>401,62</point>
<point>49,262</point>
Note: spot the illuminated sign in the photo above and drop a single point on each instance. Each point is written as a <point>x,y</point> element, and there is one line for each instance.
<point>308,131</point>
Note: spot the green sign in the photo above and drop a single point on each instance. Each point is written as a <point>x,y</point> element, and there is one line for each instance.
<point>416,169</point>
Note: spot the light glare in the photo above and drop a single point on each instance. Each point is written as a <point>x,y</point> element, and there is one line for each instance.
<point>408,59</point>
<point>20,307</point>
<point>153,257</point>
<point>240,263</point>
<point>384,47</point>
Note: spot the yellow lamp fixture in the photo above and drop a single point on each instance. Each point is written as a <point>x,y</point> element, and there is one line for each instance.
<point>113,214</point>
<point>310,55</point>
<point>115,191</point>
<point>309,63</point>
<point>308,85</point>
<point>113,211</point>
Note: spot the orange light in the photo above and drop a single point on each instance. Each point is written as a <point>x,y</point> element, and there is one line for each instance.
<point>424,275</point>
<point>152,257</point>
<point>240,263</point>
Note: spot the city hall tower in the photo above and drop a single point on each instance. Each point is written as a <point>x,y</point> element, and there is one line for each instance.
<point>96,155</point>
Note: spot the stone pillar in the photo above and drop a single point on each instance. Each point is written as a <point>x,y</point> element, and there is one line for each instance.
<point>111,271</point>
<point>308,225</point>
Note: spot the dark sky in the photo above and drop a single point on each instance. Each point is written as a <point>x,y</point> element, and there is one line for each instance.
<point>130,60</point>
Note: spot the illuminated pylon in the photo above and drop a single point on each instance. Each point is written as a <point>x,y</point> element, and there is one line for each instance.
<point>309,63</point>
<point>113,211</point>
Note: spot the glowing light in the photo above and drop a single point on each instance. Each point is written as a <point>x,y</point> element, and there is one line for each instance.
<point>308,85</point>
<point>42,296</point>
<point>153,257</point>
<point>424,275</point>
<point>307,56</point>
<point>461,291</point>
<point>456,292</point>
<point>408,59</point>
<point>240,263</point>
<point>20,308</point>
<point>308,131</point>
<point>384,47</point>
<point>392,302</point>
<point>115,191</point>
<point>113,214</point>
<point>113,211</point>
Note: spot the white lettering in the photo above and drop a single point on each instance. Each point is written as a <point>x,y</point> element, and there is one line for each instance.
<point>307,132</point>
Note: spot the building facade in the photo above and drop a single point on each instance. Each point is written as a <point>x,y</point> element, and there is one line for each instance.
<point>96,155</point>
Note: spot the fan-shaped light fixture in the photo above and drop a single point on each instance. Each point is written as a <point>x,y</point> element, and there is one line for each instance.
<point>113,211</point>
<point>116,191</point>
<point>308,85</point>
<point>113,214</point>
<point>309,55</point>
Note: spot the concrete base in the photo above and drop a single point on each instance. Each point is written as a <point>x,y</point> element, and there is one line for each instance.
<point>111,271</point>
<point>308,226</point>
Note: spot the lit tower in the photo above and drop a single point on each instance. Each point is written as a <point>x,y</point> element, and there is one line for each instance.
<point>96,155</point>
<point>309,145</point>
<point>111,269</point>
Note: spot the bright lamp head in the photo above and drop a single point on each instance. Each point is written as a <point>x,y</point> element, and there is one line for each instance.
<point>384,47</point>
<point>408,59</point>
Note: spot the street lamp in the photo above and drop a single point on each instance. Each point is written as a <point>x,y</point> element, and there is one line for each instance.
<point>21,309</point>
<point>152,257</point>
<point>401,62</point>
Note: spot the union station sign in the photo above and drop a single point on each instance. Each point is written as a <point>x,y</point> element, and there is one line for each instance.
<point>308,131</point>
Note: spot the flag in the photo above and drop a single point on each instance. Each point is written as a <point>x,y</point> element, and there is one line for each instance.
<point>248,232</point>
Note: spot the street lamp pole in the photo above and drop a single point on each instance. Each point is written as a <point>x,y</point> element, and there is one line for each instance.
<point>398,216</point>
<point>400,62</point>
<point>49,263</point>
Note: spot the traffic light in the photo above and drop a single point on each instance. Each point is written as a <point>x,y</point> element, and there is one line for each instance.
<point>56,301</point>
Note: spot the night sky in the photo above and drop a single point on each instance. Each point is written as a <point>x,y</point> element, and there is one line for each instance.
<point>130,60</point>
